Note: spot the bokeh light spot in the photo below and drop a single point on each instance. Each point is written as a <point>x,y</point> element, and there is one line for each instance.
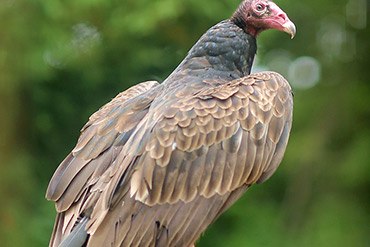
<point>356,13</point>
<point>304,72</point>
<point>85,37</point>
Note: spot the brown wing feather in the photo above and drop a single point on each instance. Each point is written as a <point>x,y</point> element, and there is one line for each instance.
<point>137,224</point>
<point>187,160</point>
<point>91,142</point>
<point>101,140</point>
<point>262,109</point>
<point>212,144</point>
<point>118,101</point>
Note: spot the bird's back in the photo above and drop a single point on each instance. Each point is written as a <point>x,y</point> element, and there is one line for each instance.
<point>158,164</point>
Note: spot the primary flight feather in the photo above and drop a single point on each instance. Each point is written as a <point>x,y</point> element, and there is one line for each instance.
<point>161,162</point>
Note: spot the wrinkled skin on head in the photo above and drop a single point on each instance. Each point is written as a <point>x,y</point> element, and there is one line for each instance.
<point>256,16</point>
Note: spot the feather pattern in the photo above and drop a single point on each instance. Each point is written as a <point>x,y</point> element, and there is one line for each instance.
<point>180,164</point>
<point>160,162</point>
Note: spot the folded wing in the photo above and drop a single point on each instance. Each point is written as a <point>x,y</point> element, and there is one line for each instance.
<point>182,159</point>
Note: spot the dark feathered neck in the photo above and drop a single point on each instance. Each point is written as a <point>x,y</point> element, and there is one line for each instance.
<point>238,17</point>
<point>225,50</point>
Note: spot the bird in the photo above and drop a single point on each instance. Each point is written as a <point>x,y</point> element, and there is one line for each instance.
<point>160,162</point>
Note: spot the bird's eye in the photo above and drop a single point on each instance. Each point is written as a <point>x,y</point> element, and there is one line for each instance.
<point>260,7</point>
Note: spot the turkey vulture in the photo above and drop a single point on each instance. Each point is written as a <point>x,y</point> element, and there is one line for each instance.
<point>161,162</point>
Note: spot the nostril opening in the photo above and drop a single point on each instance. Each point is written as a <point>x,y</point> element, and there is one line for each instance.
<point>283,16</point>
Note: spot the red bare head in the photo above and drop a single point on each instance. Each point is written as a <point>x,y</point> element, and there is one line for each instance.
<point>255,16</point>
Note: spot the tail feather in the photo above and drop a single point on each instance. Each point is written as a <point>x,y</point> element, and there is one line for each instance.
<point>78,236</point>
<point>57,231</point>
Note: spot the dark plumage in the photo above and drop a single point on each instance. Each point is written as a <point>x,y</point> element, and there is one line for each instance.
<point>160,162</point>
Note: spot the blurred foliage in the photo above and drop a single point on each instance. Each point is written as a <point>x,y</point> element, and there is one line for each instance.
<point>62,60</point>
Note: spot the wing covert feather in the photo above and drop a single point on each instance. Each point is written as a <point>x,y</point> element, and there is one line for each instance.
<point>98,136</point>
<point>239,124</point>
<point>208,146</point>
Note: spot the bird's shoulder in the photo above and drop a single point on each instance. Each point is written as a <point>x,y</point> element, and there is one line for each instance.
<point>122,100</point>
<point>243,124</point>
<point>106,132</point>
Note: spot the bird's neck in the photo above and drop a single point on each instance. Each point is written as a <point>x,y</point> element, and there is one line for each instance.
<point>225,50</point>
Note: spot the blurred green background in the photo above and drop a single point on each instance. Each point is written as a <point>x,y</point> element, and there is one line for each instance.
<point>61,60</point>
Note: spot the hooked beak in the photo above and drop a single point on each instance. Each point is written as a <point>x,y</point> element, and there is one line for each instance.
<point>280,21</point>
<point>289,28</point>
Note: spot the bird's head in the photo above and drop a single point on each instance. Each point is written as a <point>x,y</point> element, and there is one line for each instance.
<point>255,16</point>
